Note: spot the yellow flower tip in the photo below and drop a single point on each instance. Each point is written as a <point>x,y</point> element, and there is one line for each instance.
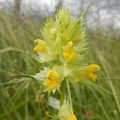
<point>72,117</point>
<point>93,68</point>
<point>40,46</point>
<point>92,71</point>
<point>52,79</point>
<point>68,52</point>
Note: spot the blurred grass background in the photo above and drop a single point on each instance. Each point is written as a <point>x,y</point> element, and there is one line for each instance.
<point>20,98</point>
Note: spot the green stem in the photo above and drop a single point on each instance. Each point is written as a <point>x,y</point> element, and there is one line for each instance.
<point>69,93</point>
<point>61,98</point>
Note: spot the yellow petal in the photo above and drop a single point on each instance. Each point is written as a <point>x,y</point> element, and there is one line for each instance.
<point>72,117</point>
<point>92,68</point>
<point>92,76</point>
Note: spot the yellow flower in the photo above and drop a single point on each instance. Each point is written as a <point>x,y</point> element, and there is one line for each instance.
<point>68,52</point>
<point>72,117</point>
<point>52,81</point>
<point>40,46</point>
<point>92,71</point>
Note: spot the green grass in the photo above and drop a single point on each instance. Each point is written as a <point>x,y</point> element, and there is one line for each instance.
<point>20,98</point>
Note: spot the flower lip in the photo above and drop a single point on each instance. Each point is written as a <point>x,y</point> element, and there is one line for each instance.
<point>92,71</point>
<point>93,68</point>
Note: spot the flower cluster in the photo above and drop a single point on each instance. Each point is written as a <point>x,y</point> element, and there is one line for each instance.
<point>63,50</point>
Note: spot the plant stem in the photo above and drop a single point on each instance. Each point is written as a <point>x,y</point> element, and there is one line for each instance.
<point>69,94</point>
<point>62,94</point>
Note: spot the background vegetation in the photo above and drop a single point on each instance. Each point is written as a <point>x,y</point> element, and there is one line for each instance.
<point>20,98</point>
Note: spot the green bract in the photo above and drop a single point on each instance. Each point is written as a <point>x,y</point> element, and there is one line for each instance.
<point>59,31</point>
